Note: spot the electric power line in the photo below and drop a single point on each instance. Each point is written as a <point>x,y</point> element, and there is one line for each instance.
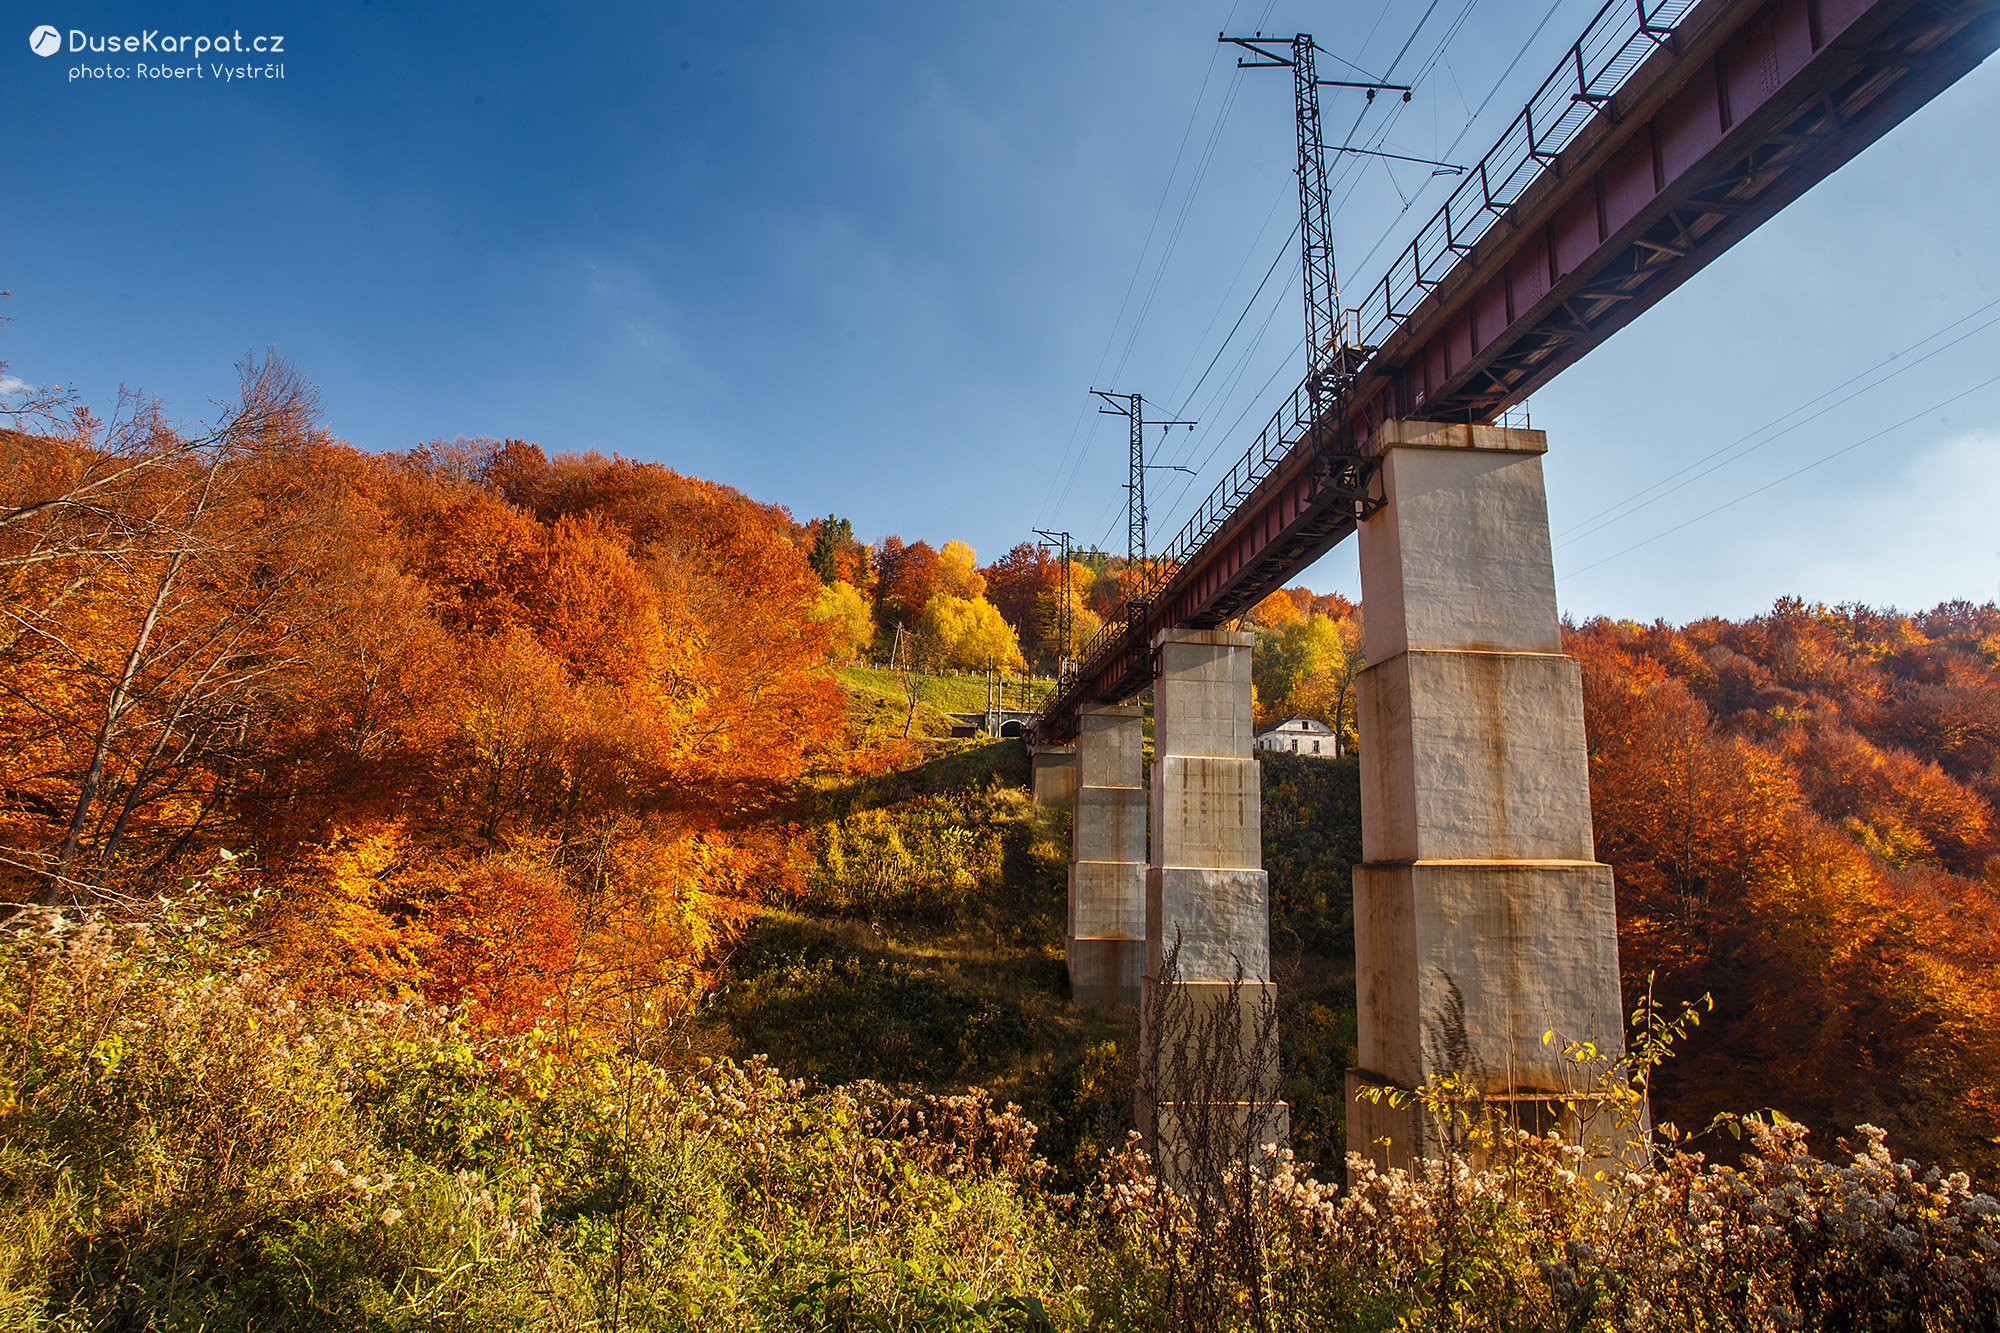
<point>1256,246</point>
<point>1234,378</point>
<point>1138,267</point>
<point>1221,438</point>
<point>1195,183</point>
<point>1132,407</point>
<point>1180,223</point>
<point>1796,472</point>
<point>1350,177</point>
<point>1166,254</point>
<point>1619,511</point>
<point>1470,121</point>
<point>1247,308</point>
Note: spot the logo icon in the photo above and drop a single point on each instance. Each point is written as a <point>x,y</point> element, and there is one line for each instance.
<point>45,41</point>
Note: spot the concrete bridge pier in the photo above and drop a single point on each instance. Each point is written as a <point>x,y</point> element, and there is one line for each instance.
<point>1210,1037</point>
<point>1106,940</point>
<point>1482,918</point>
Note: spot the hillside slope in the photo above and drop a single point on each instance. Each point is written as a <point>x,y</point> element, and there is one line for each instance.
<point>1798,808</point>
<point>922,944</point>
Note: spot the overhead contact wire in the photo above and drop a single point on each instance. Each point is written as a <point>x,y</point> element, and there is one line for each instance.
<point>1789,476</point>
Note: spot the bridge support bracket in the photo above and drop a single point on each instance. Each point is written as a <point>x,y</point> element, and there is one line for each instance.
<point>1350,482</point>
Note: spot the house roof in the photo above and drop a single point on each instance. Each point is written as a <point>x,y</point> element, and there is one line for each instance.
<point>1307,725</point>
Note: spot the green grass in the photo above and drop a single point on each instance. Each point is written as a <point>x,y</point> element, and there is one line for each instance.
<point>941,968</point>
<point>926,950</point>
<point>877,706</point>
<point>946,694</point>
<point>833,1001</point>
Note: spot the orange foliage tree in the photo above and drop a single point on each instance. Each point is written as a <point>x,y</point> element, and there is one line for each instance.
<point>1789,836</point>
<point>496,726</point>
<point>906,578</point>
<point>161,587</point>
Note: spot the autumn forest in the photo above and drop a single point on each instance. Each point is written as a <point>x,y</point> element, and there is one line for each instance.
<point>573,764</point>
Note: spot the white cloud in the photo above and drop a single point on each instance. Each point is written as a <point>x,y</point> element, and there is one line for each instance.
<point>1930,535</point>
<point>10,385</point>
<point>1909,536</point>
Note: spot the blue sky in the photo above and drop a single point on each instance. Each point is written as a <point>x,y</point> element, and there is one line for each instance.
<point>868,259</point>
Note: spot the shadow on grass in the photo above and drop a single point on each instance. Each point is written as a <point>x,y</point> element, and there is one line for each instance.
<point>981,995</point>
<point>827,1007</point>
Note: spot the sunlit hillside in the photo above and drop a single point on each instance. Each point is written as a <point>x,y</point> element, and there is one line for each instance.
<point>473,888</point>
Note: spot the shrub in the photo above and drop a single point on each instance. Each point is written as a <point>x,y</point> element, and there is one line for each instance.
<point>1514,1230</point>
<point>925,857</point>
<point>186,1144</point>
<point>847,1016</point>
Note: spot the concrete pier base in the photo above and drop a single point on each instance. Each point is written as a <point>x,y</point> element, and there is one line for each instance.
<point>1106,940</point>
<point>1482,918</point>
<point>1208,906</point>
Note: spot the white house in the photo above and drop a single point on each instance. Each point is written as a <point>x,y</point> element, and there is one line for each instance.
<point>1299,735</point>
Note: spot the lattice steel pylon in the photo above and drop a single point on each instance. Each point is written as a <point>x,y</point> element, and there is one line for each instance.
<point>1133,406</point>
<point>1064,624</point>
<point>1322,279</point>
<point>1329,367</point>
<point>1135,485</point>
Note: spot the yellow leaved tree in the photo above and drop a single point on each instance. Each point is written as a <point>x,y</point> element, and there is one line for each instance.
<point>850,624</point>
<point>969,634</point>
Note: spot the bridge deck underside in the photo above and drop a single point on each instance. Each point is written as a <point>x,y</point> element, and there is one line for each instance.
<point>1699,147</point>
<point>1743,109</point>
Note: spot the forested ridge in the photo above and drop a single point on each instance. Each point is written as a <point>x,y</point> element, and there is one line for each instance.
<point>466,721</point>
<point>478,724</point>
<point>452,834</point>
<point>1800,809</point>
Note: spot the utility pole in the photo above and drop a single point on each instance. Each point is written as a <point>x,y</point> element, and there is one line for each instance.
<point>1328,367</point>
<point>1133,406</point>
<point>909,646</point>
<point>1063,599</point>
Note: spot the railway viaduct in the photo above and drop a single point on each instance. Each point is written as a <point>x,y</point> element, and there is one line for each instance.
<point>1483,919</point>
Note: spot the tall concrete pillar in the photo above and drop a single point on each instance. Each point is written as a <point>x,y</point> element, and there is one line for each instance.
<point>1208,901</point>
<point>1106,939</point>
<point>1052,775</point>
<point>1482,918</point>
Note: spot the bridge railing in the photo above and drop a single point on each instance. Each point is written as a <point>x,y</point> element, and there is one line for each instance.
<point>1280,433</point>
<point>1617,41</point>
